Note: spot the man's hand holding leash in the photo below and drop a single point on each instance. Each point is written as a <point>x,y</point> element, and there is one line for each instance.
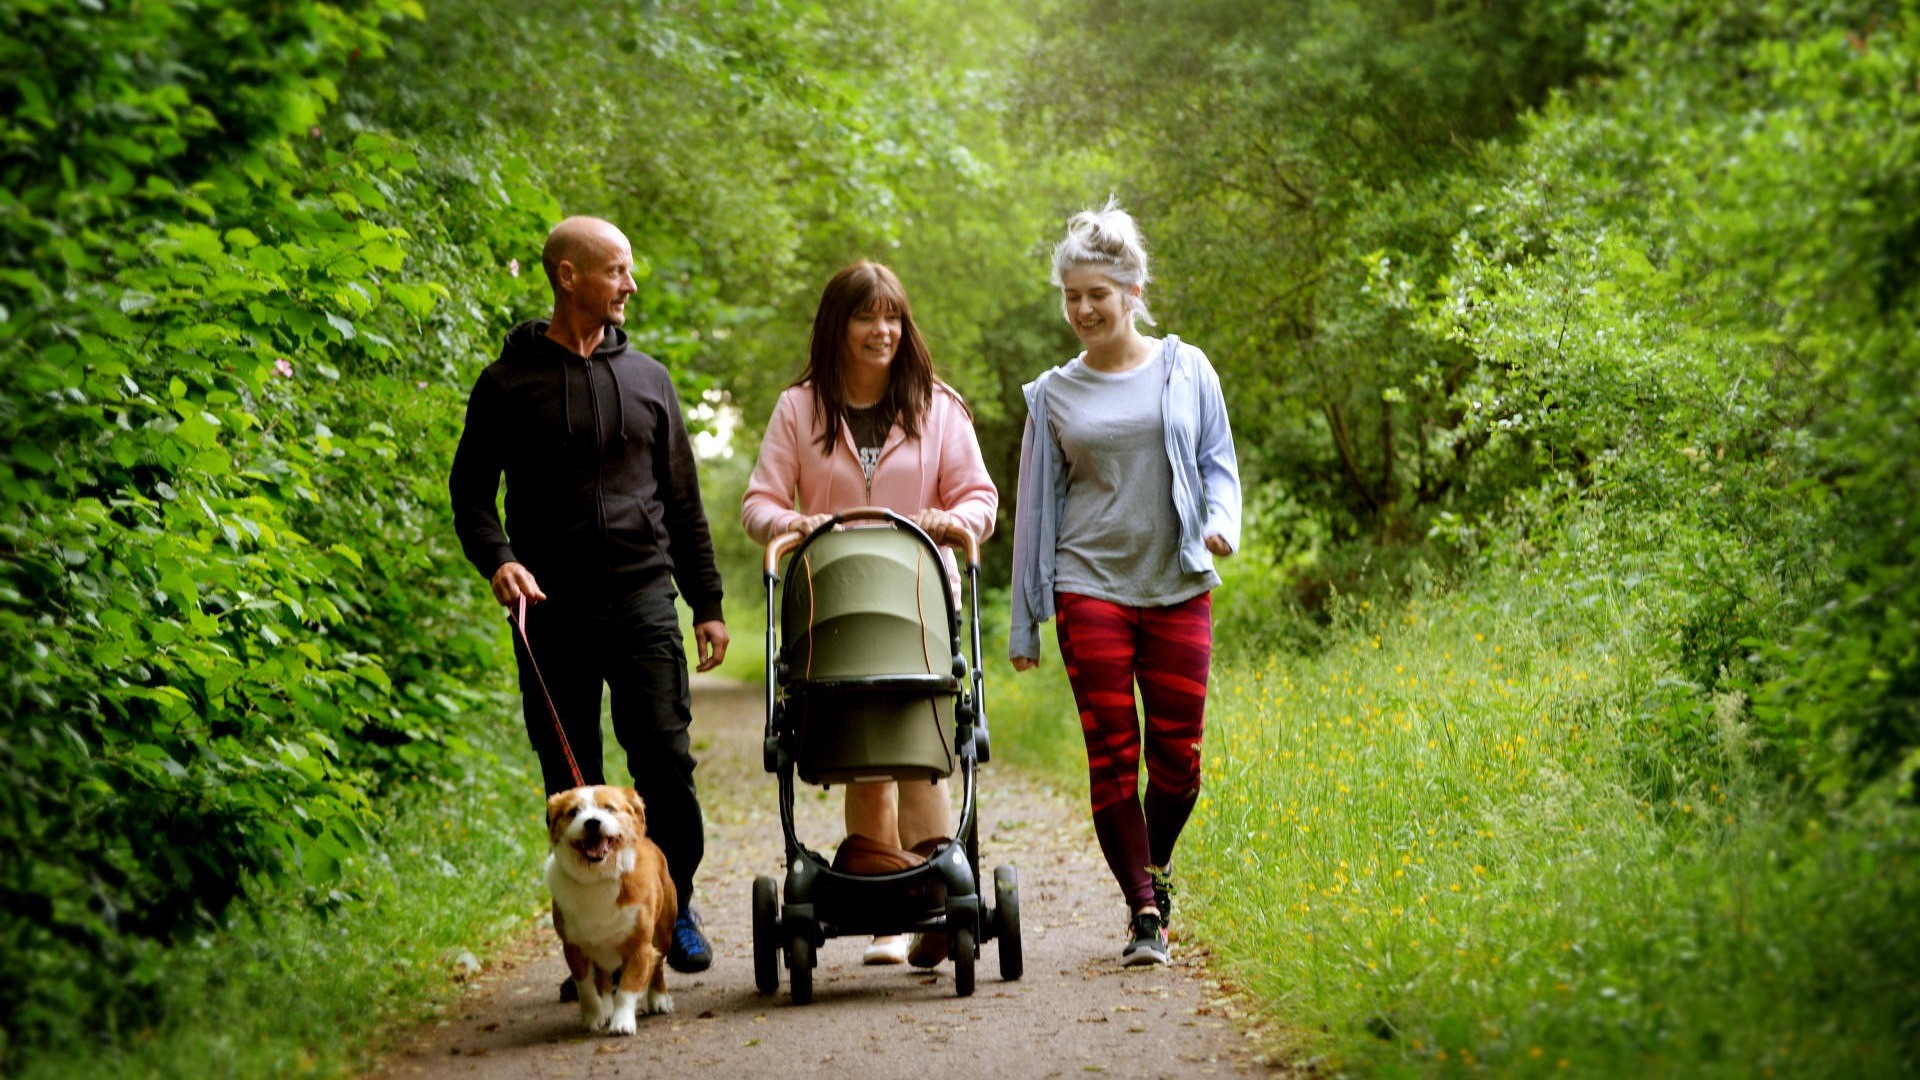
<point>513,581</point>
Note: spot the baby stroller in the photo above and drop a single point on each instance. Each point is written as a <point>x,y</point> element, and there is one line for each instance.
<point>866,680</point>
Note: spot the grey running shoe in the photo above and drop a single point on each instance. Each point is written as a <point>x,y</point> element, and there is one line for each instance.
<point>1149,944</point>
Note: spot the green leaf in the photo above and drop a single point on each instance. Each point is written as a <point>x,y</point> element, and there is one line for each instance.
<point>35,458</point>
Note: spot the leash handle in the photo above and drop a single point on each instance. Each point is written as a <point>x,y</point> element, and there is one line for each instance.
<point>518,617</point>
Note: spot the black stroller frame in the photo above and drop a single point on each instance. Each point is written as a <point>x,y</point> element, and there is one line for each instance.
<point>940,896</point>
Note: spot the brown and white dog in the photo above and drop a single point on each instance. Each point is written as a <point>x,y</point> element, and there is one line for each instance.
<point>613,903</point>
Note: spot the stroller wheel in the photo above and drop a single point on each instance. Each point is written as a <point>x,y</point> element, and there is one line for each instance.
<point>1006,921</point>
<point>800,967</point>
<point>766,935</point>
<point>960,944</point>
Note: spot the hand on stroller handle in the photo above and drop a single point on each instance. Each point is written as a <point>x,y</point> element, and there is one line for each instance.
<point>954,533</point>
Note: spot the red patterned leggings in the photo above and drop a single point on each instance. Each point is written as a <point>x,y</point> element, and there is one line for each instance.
<point>1107,648</point>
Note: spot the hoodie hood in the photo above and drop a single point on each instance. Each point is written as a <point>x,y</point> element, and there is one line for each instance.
<point>530,337</point>
<point>528,343</point>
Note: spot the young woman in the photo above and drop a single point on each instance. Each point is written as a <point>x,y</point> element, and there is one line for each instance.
<point>1128,490</point>
<point>868,424</point>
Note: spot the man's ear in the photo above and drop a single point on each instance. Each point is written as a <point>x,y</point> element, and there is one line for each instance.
<point>564,275</point>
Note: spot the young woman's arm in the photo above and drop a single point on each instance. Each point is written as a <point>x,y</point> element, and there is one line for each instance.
<point>1023,635</point>
<point>1219,467</point>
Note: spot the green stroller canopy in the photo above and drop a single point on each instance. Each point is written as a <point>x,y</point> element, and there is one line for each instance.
<point>867,634</point>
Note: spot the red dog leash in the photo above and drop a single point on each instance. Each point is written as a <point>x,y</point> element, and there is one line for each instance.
<point>520,624</point>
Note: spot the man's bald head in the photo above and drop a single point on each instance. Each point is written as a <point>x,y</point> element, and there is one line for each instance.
<point>586,242</point>
<point>590,267</point>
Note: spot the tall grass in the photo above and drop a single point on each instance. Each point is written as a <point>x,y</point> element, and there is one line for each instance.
<point>1464,836</point>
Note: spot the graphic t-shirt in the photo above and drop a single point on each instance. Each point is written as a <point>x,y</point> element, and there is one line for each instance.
<point>869,424</point>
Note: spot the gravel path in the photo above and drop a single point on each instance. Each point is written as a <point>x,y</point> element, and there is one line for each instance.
<point>1074,1012</point>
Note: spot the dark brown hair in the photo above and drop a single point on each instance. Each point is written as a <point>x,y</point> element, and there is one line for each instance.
<point>861,287</point>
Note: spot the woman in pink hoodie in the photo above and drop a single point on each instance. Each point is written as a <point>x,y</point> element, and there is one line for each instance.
<point>868,424</point>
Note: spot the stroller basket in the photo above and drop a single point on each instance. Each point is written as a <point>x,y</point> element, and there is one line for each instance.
<point>870,666</point>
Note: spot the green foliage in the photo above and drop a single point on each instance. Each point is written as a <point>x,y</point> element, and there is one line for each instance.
<point>1430,850</point>
<point>1659,331</point>
<point>1270,150</point>
<point>1618,295</point>
<point>295,990</point>
<point>1691,299</point>
<point>749,151</point>
<point>226,593</point>
<point>253,275</point>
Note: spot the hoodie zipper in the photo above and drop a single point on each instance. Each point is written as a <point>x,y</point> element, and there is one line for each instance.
<point>886,443</point>
<point>599,463</point>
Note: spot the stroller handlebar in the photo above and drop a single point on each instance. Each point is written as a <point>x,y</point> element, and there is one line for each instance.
<point>955,535</point>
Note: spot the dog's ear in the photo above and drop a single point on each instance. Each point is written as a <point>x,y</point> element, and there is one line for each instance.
<point>553,807</point>
<point>636,806</point>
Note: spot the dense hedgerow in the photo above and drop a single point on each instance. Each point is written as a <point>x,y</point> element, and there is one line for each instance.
<point>1691,292</point>
<point>226,609</point>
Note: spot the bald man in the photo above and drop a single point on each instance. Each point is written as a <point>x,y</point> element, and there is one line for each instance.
<point>603,524</point>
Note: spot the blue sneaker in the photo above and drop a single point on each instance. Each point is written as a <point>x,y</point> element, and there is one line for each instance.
<point>690,951</point>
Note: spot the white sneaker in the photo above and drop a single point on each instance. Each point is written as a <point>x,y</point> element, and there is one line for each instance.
<point>891,949</point>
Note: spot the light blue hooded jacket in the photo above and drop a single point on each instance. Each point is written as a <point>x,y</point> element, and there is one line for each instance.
<point>1206,486</point>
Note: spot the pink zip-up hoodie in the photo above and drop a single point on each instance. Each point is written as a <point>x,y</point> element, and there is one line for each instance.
<point>943,469</point>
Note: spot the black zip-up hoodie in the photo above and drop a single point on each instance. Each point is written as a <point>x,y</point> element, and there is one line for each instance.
<point>601,488</point>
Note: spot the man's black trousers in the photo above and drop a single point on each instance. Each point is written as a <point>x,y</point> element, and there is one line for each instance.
<point>631,643</point>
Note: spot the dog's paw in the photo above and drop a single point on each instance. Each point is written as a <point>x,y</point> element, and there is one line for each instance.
<point>659,1001</point>
<point>620,1016</point>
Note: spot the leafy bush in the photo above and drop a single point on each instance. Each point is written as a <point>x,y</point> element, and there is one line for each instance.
<point>1269,149</point>
<point>225,402</point>
<point>1691,292</point>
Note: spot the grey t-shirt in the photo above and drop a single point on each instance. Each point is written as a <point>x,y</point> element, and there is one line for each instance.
<point>1119,536</point>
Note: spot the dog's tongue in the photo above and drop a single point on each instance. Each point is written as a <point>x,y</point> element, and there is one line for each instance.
<point>596,850</point>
